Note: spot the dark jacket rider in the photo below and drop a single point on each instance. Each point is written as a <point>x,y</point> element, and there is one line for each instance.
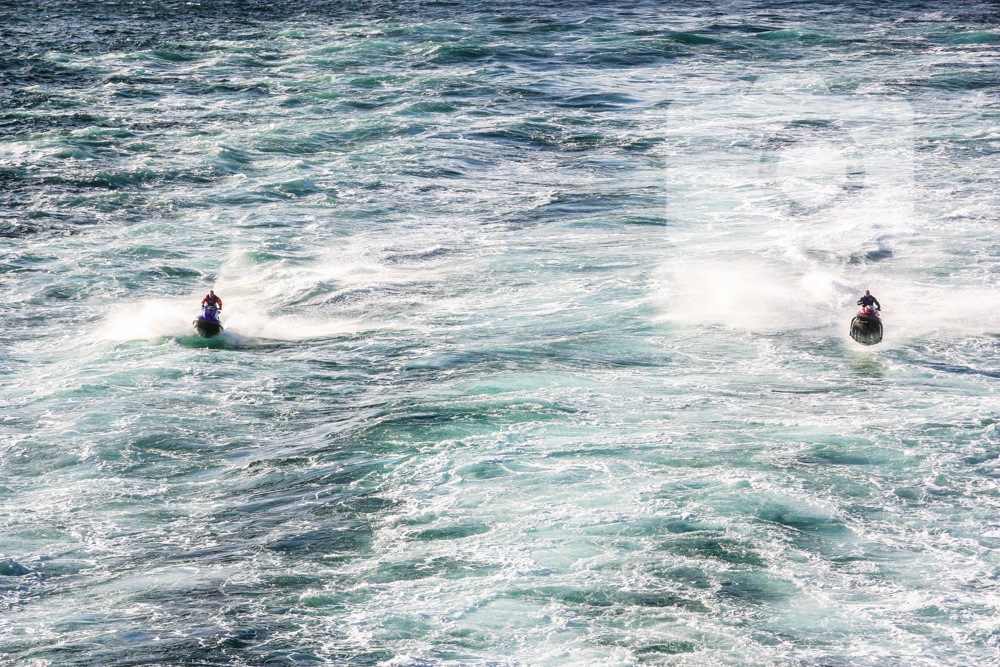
<point>213,301</point>
<point>868,300</point>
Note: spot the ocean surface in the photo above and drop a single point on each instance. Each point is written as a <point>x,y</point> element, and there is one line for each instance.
<point>536,333</point>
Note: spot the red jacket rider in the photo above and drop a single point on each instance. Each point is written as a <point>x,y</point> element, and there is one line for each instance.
<point>212,300</point>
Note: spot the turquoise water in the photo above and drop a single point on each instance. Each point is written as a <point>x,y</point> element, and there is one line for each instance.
<point>536,339</point>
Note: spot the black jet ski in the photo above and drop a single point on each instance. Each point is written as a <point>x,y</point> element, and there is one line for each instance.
<point>208,324</point>
<point>866,327</point>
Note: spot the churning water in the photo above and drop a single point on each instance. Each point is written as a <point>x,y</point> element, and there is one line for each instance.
<point>536,342</point>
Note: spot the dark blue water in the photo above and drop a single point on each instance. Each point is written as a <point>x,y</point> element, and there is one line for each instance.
<point>535,345</point>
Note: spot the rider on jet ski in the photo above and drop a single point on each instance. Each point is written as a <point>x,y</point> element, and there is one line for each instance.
<point>213,301</point>
<point>211,306</point>
<point>866,303</point>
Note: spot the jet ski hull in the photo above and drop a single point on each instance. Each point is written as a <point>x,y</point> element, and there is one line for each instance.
<point>208,328</point>
<point>866,330</point>
<point>208,324</point>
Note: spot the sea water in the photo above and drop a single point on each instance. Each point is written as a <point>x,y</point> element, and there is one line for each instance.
<point>535,345</point>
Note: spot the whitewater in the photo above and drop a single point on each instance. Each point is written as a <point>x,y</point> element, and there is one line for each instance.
<point>536,338</point>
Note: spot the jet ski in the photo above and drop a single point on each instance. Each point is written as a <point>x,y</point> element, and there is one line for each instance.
<point>866,327</point>
<point>208,324</point>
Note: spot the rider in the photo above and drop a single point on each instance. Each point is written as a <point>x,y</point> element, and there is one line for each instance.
<point>213,301</point>
<point>867,300</point>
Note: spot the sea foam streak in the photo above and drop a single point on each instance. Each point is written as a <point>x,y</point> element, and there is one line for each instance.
<point>241,319</point>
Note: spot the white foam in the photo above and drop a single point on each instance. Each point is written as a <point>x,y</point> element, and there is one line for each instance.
<point>752,294</point>
<point>777,199</point>
<point>285,299</point>
<point>247,319</point>
<point>150,319</point>
<point>242,318</point>
<point>762,294</point>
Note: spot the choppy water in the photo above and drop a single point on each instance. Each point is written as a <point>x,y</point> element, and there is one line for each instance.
<point>535,346</point>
